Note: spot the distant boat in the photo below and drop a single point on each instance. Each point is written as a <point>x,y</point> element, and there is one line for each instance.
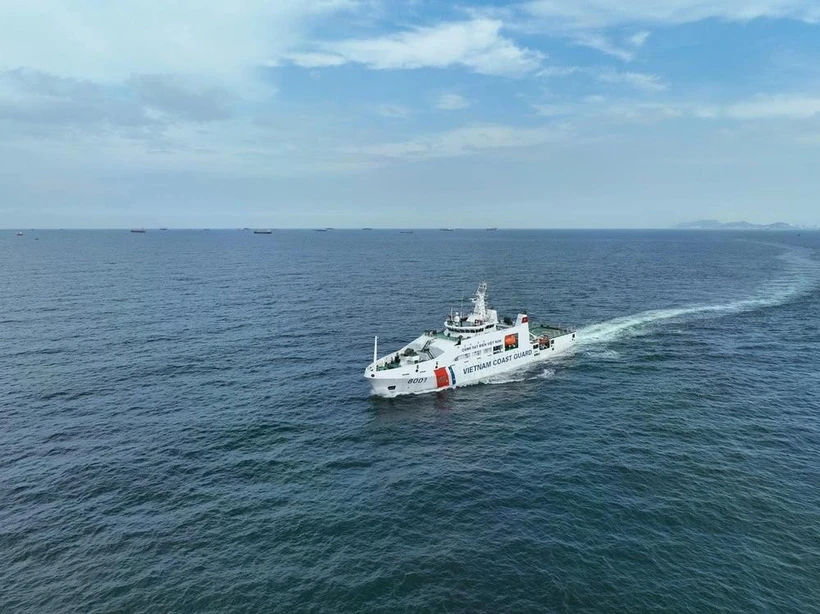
<point>138,230</point>
<point>447,229</point>
<point>366,228</point>
<point>163,229</point>
<point>320,229</point>
<point>406,232</point>
<point>263,232</point>
<point>19,233</point>
<point>492,229</point>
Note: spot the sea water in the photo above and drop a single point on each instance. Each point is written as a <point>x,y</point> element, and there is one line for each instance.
<point>184,425</point>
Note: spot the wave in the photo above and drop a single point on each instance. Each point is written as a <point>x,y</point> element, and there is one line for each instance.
<point>801,278</point>
<point>603,354</point>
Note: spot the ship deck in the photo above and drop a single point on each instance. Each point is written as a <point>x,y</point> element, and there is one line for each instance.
<point>550,330</point>
<point>536,330</point>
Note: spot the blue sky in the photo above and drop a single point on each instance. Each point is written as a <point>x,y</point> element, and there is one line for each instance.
<point>350,113</point>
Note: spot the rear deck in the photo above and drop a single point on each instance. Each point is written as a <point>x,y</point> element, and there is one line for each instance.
<point>550,330</point>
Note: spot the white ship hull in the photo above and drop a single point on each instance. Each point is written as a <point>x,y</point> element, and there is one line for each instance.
<point>488,348</point>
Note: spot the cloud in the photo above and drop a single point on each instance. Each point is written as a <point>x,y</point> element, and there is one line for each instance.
<point>34,103</point>
<point>638,39</point>
<point>465,141</point>
<point>108,41</point>
<point>641,112</point>
<point>557,71</point>
<point>598,14</point>
<point>642,81</point>
<point>790,106</point>
<point>312,60</point>
<point>552,110</point>
<point>592,22</point>
<point>477,45</point>
<point>761,107</point>
<point>601,109</point>
<point>601,43</point>
<point>180,99</point>
<point>452,102</point>
<point>395,111</point>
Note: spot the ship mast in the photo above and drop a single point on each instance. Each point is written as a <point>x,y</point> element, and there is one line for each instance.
<point>479,305</point>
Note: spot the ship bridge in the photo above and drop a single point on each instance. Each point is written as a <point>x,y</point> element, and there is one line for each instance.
<point>480,319</point>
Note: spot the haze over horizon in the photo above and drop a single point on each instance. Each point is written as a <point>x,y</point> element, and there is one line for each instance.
<point>352,113</point>
<point>694,225</point>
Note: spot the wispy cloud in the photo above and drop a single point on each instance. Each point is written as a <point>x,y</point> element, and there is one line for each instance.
<point>599,42</point>
<point>598,14</point>
<point>642,81</point>
<point>792,106</point>
<point>311,59</point>
<point>596,23</point>
<point>466,141</point>
<point>557,71</point>
<point>395,111</point>
<point>452,102</point>
<point>756,109</point>
<point>760,107</point>
<point>552,110</point>
<point>638,39</point>
<point>477,45</point>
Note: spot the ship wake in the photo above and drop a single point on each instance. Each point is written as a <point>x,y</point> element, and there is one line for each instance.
<point>539,372</point>
<point>802,276</point>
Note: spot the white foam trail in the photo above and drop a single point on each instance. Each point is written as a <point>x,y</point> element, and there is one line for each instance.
<point>545,374</point>
<point>802,277</point>
<point>519,376</point>
<point>505,378</point>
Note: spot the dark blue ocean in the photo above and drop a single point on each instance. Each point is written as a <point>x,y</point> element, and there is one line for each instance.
<point>184,425</point>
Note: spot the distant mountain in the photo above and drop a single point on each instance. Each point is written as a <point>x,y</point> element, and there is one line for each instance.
<point>715,225</point>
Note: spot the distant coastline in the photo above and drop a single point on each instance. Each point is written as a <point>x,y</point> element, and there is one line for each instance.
<point>743,225</point>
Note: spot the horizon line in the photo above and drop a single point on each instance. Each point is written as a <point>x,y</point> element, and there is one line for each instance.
<point>376,228</point>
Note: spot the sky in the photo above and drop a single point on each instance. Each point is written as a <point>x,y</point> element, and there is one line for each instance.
<point>379,113</point>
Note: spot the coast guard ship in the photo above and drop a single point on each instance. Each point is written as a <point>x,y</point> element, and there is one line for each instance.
<point>470,349</point>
